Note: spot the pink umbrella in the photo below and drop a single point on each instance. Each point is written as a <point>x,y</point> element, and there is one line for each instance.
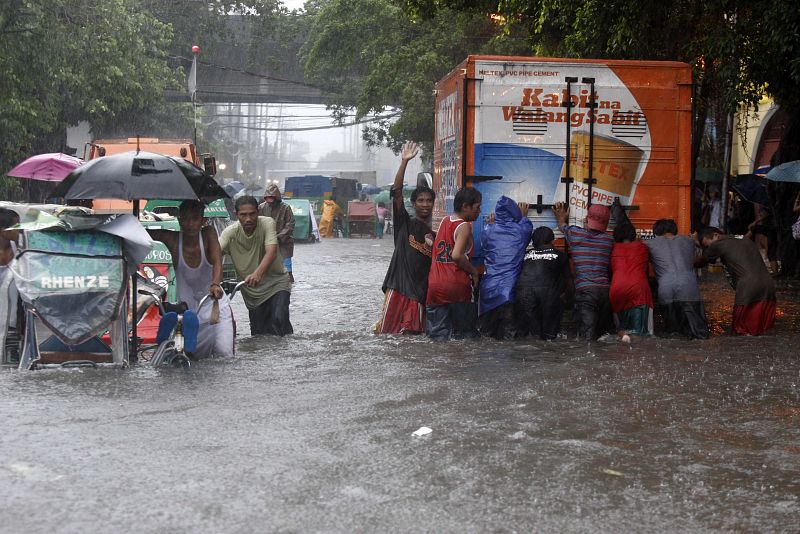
<point>46,167</point>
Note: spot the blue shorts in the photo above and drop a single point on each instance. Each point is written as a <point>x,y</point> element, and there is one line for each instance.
<point>288,264</point>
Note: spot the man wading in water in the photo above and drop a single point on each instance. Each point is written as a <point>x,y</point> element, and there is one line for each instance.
<point>754,305</point>
<point>275,208</point>
<point>451,313</point>
<point>590,247</point>
<point>252,243</point>
<point>406,284</point>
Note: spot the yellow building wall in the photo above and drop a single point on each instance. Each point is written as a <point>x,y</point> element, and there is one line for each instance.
<point>745,140</point>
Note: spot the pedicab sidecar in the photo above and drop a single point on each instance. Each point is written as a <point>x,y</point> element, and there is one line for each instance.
<point>361,218</point>
<point>73,288</point>
<point>71,272</point>
<point>303,220</point>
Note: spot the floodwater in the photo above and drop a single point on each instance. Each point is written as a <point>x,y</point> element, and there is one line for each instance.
<point>313,432</point>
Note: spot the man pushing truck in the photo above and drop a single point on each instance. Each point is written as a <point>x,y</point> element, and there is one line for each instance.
<point>568,137</point>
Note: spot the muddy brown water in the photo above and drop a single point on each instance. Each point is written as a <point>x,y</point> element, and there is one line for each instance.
<point>313,432</point>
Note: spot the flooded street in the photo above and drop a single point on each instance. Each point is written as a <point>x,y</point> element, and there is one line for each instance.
<point>313,432</point>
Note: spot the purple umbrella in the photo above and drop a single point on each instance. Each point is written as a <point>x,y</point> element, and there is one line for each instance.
<point>46,167</point>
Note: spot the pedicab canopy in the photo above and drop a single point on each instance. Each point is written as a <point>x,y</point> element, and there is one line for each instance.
<point>301,209</point>
<point>72,267</point>
<point>384,197</point>
<point>360,210</point>
<point>214,210</point>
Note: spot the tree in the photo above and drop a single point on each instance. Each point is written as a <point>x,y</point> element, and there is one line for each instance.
<point>739,49</point>
<point>68,60</point>
<point>375,57</point>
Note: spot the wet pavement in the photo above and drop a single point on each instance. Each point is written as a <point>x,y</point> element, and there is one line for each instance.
<point>313,432</point>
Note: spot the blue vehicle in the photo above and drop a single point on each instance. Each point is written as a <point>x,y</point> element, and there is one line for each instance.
<point>317,189</point>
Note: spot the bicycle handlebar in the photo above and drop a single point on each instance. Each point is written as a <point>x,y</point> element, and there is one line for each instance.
<point>160,303</point>
<point>232,294</point>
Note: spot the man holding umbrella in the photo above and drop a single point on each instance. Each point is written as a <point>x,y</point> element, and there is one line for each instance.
<point>252,243</point>
<point>136,175</point>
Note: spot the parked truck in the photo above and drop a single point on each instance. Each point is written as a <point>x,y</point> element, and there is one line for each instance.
<point>503,125</point>
<point>179,148</point>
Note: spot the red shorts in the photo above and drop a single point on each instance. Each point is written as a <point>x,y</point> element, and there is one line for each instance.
<point>754,319</point>
<point>400,315</point>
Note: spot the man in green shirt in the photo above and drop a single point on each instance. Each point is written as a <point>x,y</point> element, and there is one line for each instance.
<point>252,244</point>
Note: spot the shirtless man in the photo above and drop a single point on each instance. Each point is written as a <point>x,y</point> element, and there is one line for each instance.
<point>197,259</point>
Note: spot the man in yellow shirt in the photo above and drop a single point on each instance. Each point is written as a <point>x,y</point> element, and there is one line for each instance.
<point>252,244</point>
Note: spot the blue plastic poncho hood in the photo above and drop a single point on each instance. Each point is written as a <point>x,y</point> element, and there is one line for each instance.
<point>503,245</point>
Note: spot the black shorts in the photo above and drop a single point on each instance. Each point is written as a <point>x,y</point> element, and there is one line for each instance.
<point>538,311</point>
<point>499,322</point>
<point>687,318</point>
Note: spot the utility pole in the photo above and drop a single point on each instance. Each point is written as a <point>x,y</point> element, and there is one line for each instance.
<point>726,165</point>
<point>192,86</point>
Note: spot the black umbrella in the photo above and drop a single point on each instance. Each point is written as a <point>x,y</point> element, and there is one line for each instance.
<point>752,188</point>
<point>135,175</point>
<point>233,187</point>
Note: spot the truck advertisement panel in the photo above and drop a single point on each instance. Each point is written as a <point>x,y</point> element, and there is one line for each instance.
<point>633,122</point>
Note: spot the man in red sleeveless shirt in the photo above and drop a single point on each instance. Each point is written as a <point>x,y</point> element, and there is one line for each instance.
<point>450,311</point>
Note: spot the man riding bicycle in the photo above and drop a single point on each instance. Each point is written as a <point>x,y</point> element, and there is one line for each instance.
<point>197,259</point>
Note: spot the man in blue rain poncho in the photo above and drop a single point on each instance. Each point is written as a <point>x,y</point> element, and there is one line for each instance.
<point>503,240</point>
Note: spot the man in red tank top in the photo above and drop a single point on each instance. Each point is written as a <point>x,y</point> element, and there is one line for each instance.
<point>450,311</point>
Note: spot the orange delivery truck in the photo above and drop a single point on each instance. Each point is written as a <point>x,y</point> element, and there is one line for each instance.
<point>179,148</point>
<point>580,131</point>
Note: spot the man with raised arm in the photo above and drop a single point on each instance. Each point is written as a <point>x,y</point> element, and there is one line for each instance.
<point>252,243</point>
<point>405,287</point>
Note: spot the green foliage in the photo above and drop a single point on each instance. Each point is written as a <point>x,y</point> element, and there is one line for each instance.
<point>277,36</point>
<point>62,61</point>
<point>740,49</point>
<point>10,188</point>
<point>376,57</point>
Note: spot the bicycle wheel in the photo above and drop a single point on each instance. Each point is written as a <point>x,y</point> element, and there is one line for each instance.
<point>181,360</point>
<point>164,354</point>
